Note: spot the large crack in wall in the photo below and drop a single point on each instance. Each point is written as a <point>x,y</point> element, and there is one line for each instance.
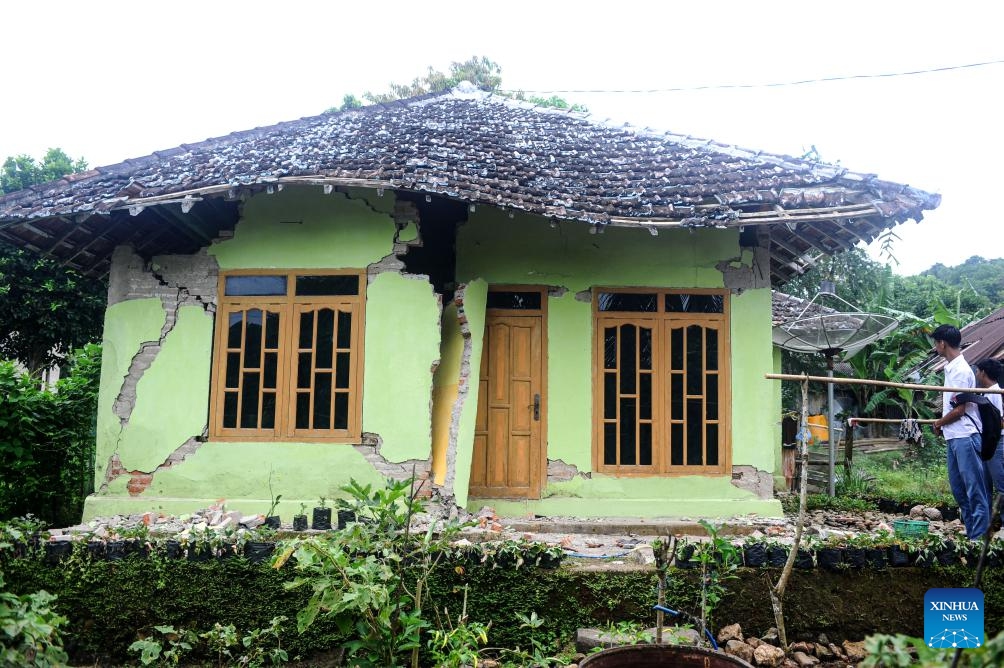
<point>139,481</point>
<point>463,389</point>
<point>177,281</point>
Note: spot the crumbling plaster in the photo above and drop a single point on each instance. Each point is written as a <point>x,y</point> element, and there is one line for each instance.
<point>470,300</point>
<point>446,385</point>
<point>154,395</point>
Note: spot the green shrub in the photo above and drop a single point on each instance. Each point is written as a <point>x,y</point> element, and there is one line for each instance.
<point>29,630</point>
<point>47,440</point>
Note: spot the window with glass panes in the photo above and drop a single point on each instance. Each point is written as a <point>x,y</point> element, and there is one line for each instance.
<point>660,382</point>
<point>288,356</point>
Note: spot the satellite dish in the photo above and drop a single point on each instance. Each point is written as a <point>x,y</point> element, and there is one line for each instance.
<point>831,330</point>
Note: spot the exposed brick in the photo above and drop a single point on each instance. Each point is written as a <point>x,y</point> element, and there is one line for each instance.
<point>138,483</point>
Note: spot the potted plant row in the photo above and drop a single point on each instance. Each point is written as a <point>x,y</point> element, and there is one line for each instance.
<point>507,554</point>
<point>879,550</point>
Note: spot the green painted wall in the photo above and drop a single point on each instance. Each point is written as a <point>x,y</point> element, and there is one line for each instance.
<point>294,228</point>
<point>607,496</point>
<point>755,410</point>
<point>569,380</point>
<point>128,325</point>
<point>526,250</point>
<point>304,228</point>
<point>238,475</point>
<point>402,348</point>
<point>475,299</point>
<point>172,396</point>
<point>298,471</point>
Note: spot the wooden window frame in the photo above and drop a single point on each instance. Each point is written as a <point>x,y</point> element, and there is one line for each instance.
<point>289,306</point>
<point>661,321</point>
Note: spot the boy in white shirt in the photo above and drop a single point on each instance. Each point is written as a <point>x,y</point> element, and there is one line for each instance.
<point>960,425</point>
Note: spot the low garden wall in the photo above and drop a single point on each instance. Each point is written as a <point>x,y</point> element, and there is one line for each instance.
<point>110,603</point>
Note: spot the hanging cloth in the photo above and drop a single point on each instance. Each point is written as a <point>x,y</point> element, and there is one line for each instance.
<point>909,430</point>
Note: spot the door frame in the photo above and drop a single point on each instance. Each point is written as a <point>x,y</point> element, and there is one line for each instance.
<point>538,465</point>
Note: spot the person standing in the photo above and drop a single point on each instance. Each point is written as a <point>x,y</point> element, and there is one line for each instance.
<point>960,425</point>
<point>988,375</point>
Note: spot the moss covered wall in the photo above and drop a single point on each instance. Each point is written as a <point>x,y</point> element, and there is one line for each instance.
<point>110,603</point>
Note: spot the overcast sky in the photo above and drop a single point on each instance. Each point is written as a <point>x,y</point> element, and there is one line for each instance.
<point>114,80</point>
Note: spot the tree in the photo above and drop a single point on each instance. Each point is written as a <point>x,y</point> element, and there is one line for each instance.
<point>919,295</point>
<point>479,70</point>
<point>22,171</point>
<point>46,310</point>
<point>861,281</point>
<point>484,73</point>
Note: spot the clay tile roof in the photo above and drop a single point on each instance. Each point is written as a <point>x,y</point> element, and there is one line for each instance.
<point>476,147</point>
<point>785,308</point>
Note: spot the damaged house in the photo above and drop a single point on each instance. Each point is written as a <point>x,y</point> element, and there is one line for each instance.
<point>529,307</point>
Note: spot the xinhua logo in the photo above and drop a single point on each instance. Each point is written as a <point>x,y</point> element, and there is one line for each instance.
<point>953,618</point>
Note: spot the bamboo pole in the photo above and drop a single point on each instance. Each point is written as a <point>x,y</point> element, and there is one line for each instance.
<point>777,591</point>
<point>855,420</point>
<point>880,383</point>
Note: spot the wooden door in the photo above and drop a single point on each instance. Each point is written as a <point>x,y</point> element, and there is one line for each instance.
<point>507,458</point>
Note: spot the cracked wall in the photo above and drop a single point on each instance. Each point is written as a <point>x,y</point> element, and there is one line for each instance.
<point>470,300</point>
<point>154,398</point>
<point>570,260</point>
<point>446,386</point>
<point>402,349</point>
<point>150,417</point>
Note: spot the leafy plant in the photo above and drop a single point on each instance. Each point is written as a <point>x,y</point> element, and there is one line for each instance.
<point>275,498</point>
<point>260,645</point>
<point>30,630</point>
<point>358,576</point>
<point>901,651</point>
<point>264,645</point>
<point>854,483</point>
<point>152,652</point>
<point>539,653</point>
<point>458,645</point>
<point>718,559</point>
<point>624,632</point>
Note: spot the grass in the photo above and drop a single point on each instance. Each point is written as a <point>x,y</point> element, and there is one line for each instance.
<point>884,475</point>
<point>789,503</point>
<point>899,479</point>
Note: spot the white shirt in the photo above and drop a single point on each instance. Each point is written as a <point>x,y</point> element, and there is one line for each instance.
<point>995,399</point>
<point>958,374</point>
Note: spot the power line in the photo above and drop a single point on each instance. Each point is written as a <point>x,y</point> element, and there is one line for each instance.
<point>769,85</point>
